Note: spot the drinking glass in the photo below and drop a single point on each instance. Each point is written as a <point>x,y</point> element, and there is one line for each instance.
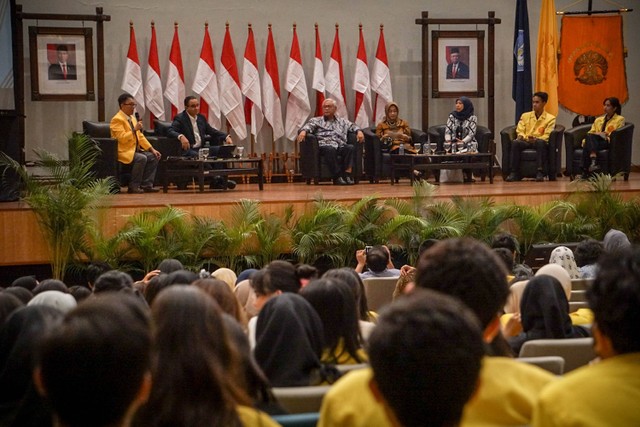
<point>241,152</point>
<point>203,153</point>
<point>447,146</point>
<point>417,147</point>
<point>433,147</point>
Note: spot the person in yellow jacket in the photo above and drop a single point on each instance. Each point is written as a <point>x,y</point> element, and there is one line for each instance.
<point>598,137</point>
<point>133,147</point>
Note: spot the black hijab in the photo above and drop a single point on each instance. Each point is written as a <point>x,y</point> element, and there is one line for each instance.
<point>289,343</point>
<point>466,112</point>
<point>545,313</point>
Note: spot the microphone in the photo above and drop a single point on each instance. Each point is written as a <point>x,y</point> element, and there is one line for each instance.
<point>138,118</point>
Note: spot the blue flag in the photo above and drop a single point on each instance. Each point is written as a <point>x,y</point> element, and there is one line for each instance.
<point>522,87</point>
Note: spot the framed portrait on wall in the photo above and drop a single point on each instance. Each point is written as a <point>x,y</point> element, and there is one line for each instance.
<point>457,64</point>
<point>61,61</point>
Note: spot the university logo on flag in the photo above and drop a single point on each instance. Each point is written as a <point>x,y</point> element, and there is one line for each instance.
<point>518,50</point>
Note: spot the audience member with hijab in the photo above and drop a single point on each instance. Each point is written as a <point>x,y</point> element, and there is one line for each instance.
<point>544,311</point>
<point>563,256</point>
<point>20,404</point>
<point>226,275</point>
<point>393,131</point>
<point>289,342</point>
<point>461,130</point>
<point>56,299</point>
<point>615,240</point>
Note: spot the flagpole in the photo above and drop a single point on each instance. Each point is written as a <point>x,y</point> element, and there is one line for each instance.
<point>295,146</point>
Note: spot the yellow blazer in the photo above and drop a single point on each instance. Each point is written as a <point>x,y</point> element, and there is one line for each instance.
<point>540,127</point>
<point>122,132</point>
<point>616,122</point>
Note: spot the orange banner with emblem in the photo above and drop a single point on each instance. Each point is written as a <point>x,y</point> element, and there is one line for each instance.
<point>591,65</point>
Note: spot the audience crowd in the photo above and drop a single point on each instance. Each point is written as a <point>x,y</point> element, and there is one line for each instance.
<point>184,349</point>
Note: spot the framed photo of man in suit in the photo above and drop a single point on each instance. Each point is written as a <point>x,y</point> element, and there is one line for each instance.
<point>61,62</point>
<point>457,64</point>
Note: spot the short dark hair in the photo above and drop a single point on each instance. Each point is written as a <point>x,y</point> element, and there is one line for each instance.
<point>426,353</point>
<point>27,282</point>
<point>124,98</point>
<point>615,103</point>
<point>426,244</point>
<point>51,285</point>
<point>542,95</point>
<point>614,298</point>
<point>112,281</point>
<point>507,241</point>
<point>377,259</point>
<point>276,276</point>
<point>189,98</point>
<point>62,47</point>
<point>93,365</point>
<point>469,270</point>
<point>588,252</point>
<point>505,255</point>
<point>95,270</point>
<point>169,265</point>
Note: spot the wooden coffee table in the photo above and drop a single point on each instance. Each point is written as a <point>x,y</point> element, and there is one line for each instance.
<point>426,162</point>
<point>195,168</point>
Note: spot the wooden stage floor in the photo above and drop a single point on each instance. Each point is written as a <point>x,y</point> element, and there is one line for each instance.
<point>22,243</point>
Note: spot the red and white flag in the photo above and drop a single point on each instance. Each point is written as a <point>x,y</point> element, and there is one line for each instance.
<point>334,79</point>
<point>298,106</point>
<point>205,83</point>
<point>230,93</point>
<point>318,75</point>
<point>381,79</point>
<point>361,85</point>
<point>174,89</point>
<point>132,79</point>
<point>251,86</point>
<point>153,85</point>
<point>271,89</point>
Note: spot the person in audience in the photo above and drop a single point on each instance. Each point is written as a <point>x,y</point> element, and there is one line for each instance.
<point>544,311</point>
<point>461,129</point>
<point>408,272</point>
<point>169,265</point>
<point>196,366</point>
<point>377,260</point>
<point>225,298</point>
<point>366,318</point>
<point>393,131</point>
<point>615,240</point>
<point>507,257</point>
<point>333,301</point>
<point>469,270</point>
<point>563,256</point>
<point>94,369</point>
<point>289,341</point>
<point>520,271</point>
<point>22,294</point>
<point>20,404</point>
<point>112,281</point>
<point>62,301</point>
<point>27,282</point>
<point>306,273</point>
<point>181,277</point>
<point>599,135</point>
<point>133,147</point>
<point>426,355</point>
<point>534,129</point>
<point>94,270</point>
<point>194,132</point>
<point>80,293</point>
<point>251,378</point>
<point>606,392</point>
<point>587,254</point>
<point>51,285</point>
<point>8,304</point>
<point>331,132</point>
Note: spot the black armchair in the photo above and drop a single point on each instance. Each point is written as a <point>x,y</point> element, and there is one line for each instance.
<point>528,167</point>
<point>165,144</point>
<point>612,161</point>
<point>107,164</point>
<point>313,166</point>
<point>483,135</point>
<point>377,163</point>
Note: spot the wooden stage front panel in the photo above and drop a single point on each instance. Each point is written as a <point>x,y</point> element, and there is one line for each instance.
<point>22,242</point>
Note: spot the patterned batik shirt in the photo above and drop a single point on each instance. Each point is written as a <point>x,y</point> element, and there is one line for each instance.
<point>330,132</point>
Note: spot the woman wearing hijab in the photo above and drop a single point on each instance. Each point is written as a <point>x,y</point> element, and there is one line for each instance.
<point>544,311</point>
<point>563,256</point>
<point>461,130</point>
<point>393,131</point>
<point>289,343</point>
<point>615,240</point>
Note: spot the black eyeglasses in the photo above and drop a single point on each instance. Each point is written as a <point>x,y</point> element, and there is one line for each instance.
<point>130,105</point>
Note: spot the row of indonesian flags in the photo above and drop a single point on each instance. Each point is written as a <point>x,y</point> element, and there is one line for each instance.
<point>221,92</point>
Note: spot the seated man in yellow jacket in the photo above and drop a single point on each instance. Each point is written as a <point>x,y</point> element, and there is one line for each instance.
<point>133,147</point>
<point>533,130</point>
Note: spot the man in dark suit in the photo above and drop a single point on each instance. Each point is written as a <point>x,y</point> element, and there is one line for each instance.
<point>456,68</point>
<point>194,132</point>
<point>62,70</point>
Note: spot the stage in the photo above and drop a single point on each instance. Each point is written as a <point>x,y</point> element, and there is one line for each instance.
<point>22,243</point>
